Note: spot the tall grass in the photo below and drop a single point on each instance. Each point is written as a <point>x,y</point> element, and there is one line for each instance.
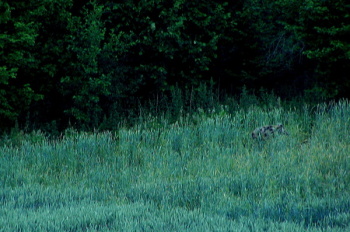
<point>201,173</point>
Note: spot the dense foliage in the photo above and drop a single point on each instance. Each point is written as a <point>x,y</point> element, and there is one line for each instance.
<point>85,63</point>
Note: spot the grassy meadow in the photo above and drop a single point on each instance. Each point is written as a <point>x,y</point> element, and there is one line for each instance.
<point>200,173</point>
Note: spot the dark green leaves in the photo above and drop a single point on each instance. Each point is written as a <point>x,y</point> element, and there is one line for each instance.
<point>76,62</point>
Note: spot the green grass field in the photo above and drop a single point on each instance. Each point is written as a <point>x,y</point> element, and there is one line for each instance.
<point>202,173</point>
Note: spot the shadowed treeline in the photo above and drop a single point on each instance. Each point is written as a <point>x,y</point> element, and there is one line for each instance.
<point>79,64</point>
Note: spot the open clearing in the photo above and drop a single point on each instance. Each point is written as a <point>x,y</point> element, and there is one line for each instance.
<point>202,173</point>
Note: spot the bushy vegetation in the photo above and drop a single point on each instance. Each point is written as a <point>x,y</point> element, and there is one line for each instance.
<point>72,62</point>
<point>202,172</point>
<point>167,85</point>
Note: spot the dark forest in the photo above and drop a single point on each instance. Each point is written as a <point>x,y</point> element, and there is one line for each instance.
<point>91,63</point>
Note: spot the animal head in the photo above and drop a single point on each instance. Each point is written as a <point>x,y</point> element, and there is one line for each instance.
<point>280,129</point>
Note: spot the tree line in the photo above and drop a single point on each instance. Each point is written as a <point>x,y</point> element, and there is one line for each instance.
<point>80,62</point>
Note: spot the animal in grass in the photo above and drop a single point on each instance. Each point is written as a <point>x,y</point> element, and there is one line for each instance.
<point>265,132</point>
